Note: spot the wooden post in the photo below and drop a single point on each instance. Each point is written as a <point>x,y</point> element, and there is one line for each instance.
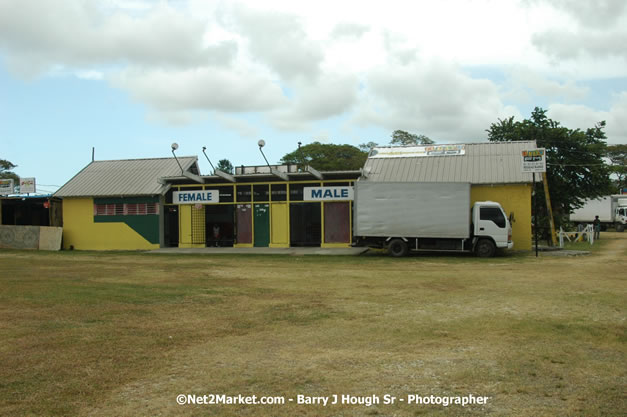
<point>535,214</point>
<point>549,209</point>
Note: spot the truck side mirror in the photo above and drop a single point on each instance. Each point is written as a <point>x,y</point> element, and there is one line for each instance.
<point>512,219</point>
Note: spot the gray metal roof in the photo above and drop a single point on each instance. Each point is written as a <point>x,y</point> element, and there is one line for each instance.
<point>348,175</point>
<point>481,163</point>
<point>126,177</point>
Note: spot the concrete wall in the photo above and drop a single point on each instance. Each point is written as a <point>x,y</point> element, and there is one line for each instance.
<point>514,198</point>
<point>81,232</point>
<point>30,237</point>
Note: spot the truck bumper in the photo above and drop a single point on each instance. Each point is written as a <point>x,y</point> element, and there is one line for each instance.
<point>510,245</point>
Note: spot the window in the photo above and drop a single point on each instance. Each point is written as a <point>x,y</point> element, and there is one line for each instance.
<point>493,214</point>
<point>243,193</point>
<point>278,192</point>
<point>260,192</point>
<point>126,209</point>
<point>297,190</point>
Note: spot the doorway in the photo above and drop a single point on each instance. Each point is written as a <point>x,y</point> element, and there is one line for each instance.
<point>305,224</point>
<point>262,225</point>
<point>171,226</point>
<point>219,224</point>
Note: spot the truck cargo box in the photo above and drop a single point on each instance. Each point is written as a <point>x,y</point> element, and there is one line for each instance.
<point>601,207</point>
<point>404,209</point>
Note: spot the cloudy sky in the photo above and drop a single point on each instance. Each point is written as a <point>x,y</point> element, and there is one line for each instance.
<point>131,77</point>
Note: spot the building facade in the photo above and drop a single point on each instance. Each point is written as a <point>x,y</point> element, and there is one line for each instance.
<point>261,210</point>
<point>111,205</point>
<point>153,203</point>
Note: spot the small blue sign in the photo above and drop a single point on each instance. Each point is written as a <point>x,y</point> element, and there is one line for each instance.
<point>196,197</point>
<point>328,193</point>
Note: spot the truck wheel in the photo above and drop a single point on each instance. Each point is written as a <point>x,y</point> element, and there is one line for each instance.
<point>620,227</point>
<point>398,248</point>
<point>485,248</point>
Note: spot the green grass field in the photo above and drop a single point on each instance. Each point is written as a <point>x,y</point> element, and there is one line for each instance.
<point>122,334</point>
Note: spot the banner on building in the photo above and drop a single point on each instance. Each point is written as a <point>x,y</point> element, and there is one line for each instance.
<point>534,160</point>
<point>417,151</point>
<point>27,185</point>
<point>327,193</point>
<point>196,197</point>
<point>6,186</point>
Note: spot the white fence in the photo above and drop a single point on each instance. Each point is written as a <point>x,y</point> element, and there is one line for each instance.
<point>586,233</point>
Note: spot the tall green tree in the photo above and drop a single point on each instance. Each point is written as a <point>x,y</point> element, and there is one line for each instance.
<point>617,154</point>
<point>367,146</point>
<point>327,157</point>
<point>576,170</point>
<point>400,137</point>
<point>6,170</point>
<point>225,165</point>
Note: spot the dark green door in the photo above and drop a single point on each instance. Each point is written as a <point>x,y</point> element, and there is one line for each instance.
<point>262,225</point>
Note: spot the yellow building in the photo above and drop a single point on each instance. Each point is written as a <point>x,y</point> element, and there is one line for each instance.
<point>113,205</point>
<point>152,203</point>
<point>276,206</point>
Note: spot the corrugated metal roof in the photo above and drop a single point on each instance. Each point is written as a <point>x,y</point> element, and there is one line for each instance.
<point>482,163</point>
<point>124,177</point>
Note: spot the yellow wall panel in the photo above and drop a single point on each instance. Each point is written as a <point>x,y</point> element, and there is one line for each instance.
<point>514,198</point>
<point>187,214</point>
<point>80,231</point>
<point>279,223</point>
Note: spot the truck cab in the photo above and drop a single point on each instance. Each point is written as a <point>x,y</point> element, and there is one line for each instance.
<point>620,218</point>
<point>491,229</point>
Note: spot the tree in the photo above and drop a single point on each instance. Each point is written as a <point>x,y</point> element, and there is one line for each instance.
<point>575,167</point>
<point>617,154</point>
<point>225,165</point>
<point>6,168</point>
<point>400,137</point>
<point>367,147</point>
<point>327,157</point>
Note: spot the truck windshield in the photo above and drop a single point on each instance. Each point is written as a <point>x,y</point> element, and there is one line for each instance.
<point>493,214</point>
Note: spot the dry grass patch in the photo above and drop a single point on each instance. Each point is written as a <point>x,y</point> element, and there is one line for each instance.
<point>111,334</point>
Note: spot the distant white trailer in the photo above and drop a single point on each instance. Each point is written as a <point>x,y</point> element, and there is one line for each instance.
<point>612,211</point>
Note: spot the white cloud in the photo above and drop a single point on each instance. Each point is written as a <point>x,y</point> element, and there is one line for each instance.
<point>242,127</point>
<point>524,79</point>
<point>597,14</point>
<point>349,30</point>
<point>569,45</point>
<point>431,98</point>
<point>37,35</point>
<point>200,89</point>
<point>279,41</point>
<point>90,75</point>
<point>582,117</point>
<point>394,64</point>
<point>327,97</point>
<point>586,30</point>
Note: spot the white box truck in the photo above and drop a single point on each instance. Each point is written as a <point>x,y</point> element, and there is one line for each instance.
<point>404,216</point>
<point>612,211</point>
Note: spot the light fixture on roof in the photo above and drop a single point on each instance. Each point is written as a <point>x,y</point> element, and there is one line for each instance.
<point>175,146</point>
<point>261,144</point>
<point>281,175</point>
<point>203,151</point>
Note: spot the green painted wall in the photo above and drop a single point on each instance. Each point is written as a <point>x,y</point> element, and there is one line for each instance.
<point>147,226</point>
